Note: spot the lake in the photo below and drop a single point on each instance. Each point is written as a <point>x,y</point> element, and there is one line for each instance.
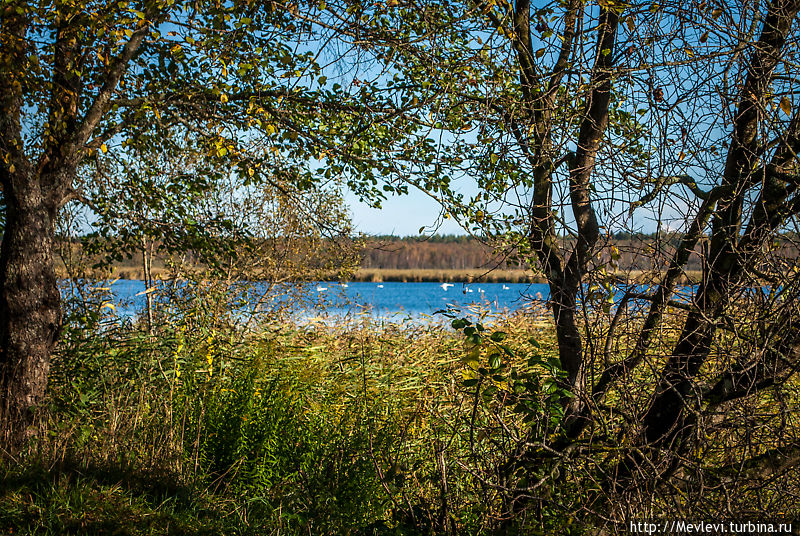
<point>381,300</point>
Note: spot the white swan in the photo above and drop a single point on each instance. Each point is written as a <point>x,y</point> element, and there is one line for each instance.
<point>380,286</point>
<point>446,286</point>
<point>506,287</point>
<point>321,289</point>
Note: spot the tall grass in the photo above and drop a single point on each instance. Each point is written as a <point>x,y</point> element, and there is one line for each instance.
<point>281,430</point>
<point>204,427</point>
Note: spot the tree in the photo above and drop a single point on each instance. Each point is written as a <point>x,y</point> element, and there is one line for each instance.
<point>78,78</point>
<point>207,222</point>
<point>577,120</point>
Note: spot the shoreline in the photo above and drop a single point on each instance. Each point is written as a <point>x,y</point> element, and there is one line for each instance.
<point>383,275</point>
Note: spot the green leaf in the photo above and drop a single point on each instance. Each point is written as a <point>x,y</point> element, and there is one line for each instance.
<point>498,336</point>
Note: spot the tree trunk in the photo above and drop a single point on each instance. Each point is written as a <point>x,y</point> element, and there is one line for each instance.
<point>664,425</point>
<point>30,310</point>
<point>30,307</point>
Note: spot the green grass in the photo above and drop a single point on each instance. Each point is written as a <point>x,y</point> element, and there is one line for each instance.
<point>286,431</point>
<point>369,429</point>
<point>202,428</point>
<point>76,498</point>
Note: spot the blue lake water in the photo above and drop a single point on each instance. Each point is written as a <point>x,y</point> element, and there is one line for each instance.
<point>375,299</point>
<point>393,301</point>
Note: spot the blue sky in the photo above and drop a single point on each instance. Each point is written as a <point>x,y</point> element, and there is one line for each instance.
<point>401,216</point>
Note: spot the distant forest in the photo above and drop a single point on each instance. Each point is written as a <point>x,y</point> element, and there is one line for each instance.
<point>438,252</point>
<point>622,252</point>
<point>465,252</point>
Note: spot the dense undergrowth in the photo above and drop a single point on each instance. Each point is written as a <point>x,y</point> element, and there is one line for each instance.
<point>197,430</point>
<point>201,427</point>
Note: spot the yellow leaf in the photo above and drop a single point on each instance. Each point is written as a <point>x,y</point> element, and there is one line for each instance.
<point>250,171</point>
<point>104,148</point>
<point>786,106</point>
<point>223,98</point>
<point>502,385</point>
<point>613,5</point>
<point>148,291</point>
<point>471,358</point>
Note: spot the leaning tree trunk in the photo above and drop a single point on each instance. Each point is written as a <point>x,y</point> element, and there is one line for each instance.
<point>665,424</point>
<point>30,310</point>
<point>30,313</point>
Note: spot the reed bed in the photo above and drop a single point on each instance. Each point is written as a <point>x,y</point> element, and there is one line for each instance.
<point>358,427</point>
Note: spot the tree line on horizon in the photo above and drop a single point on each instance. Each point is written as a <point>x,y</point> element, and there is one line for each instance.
<point>441,252</point>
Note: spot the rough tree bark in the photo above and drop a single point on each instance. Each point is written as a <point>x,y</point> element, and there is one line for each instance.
<point>30,310</point>
<point>34,191</point>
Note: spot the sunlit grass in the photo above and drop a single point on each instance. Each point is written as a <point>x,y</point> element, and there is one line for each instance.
<point>356,428</point>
